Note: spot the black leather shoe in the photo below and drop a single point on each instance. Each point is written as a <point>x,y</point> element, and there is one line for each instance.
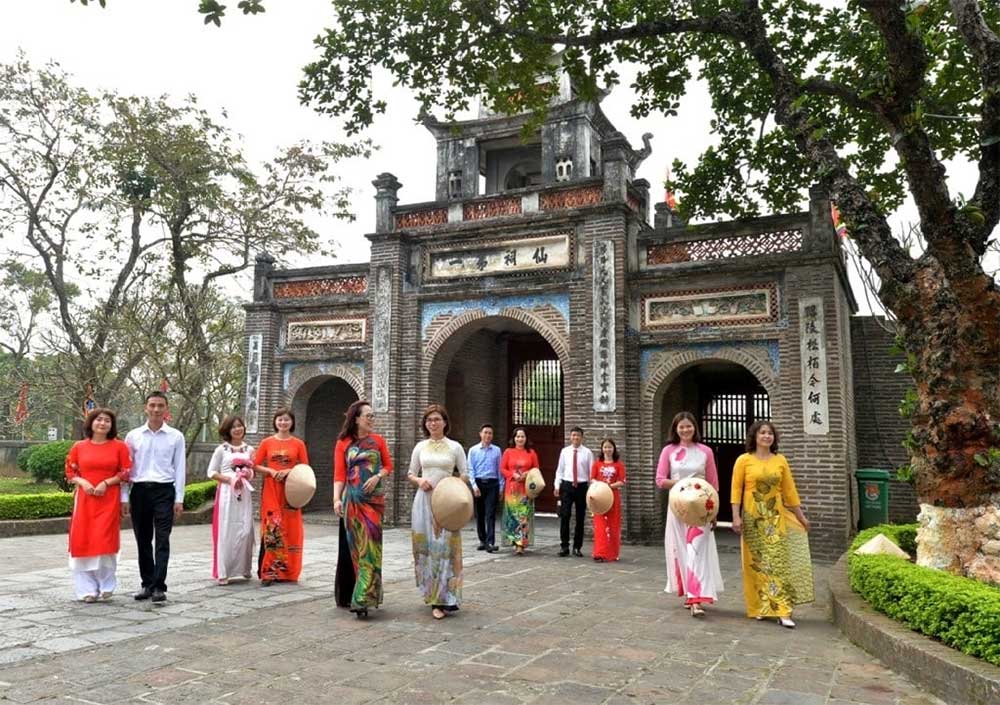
<point>492,548</point>
<point>481,547</point>
<point>143,594</point>
<point>563,552</point>
<point>578,553</point>
<point>159,596</point>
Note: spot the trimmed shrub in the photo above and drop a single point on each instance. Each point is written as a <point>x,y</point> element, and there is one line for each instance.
<point>958,611</point>
<point>24,455</point>
<point>48,463</point>
<point>198,493</point>
<point>35,506</point>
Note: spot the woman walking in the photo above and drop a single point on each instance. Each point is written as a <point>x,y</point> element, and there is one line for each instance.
<point>360,462</point>
<point>282,534</point>
<point>608,526</point>
<point>518,509</point>
<point>232,518</point>
<point>94,465</point>
<point>437,552</point>
<point>692,558</point>
<point>777,572</point>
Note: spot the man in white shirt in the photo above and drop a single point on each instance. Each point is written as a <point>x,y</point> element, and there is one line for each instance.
<point>572,476</point>
<point>156,493</point>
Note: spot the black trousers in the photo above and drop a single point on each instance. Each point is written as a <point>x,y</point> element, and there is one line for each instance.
<point>570,497</point>
<point>151,505</point>
<point>486,510</point>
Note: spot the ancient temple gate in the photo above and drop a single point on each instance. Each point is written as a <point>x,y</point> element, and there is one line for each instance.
<point>533,290</point>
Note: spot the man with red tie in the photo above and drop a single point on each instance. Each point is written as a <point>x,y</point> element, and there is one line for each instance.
<point>570,489</point>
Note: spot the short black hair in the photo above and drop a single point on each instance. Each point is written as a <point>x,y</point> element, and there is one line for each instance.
<point>226,427</point>
<point>487,426</point>
<point>283,411</point>
<point>157,393</point>
<point>88,424</point>
<point>752,435</point>
<point>577,429</point>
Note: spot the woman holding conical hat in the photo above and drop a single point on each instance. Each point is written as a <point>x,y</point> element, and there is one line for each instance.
<point>608,526</point>
<point>361,461</point>
<point>281,528</point>
<point>692,558</point>
<point>518,508</point>
<point>437,552</point>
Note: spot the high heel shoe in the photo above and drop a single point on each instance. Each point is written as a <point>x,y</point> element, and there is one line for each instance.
<point>361,613</point>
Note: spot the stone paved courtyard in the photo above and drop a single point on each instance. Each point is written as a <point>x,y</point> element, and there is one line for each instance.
<point>538,629</point>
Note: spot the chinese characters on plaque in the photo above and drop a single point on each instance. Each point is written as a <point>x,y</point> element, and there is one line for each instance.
<point>252,400</point>
<point>331,332</point>
<point>501,258</point>
<point>812,341</point>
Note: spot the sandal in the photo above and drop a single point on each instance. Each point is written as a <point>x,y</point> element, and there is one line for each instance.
<point>106,596</point>
<point>786,622</point>
<point>223,581</point>
<point>438,613</point>
<point>697,611</point>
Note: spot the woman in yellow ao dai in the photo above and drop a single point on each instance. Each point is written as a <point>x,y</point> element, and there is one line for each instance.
<point>777,572</point>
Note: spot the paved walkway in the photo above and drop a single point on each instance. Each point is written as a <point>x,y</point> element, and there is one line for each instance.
<point>538,629</point>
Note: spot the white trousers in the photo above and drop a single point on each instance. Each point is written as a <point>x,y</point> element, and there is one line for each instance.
<point>94,575</point>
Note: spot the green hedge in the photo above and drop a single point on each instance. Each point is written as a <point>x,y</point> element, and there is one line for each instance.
<point>960,612</point>
<point>198,493</point>
<point>47,506</point>
<point>48,462</point>
<point>23,456</point>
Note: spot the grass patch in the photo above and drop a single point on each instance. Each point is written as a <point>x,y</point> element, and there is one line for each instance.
<point>26,485</point>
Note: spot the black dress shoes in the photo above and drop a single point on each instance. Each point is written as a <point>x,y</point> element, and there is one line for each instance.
<point>481,547</point>
<point>144,594</point>
<point>563,552</point>
<point>578,553</point>
<point>159,596</point>
<point>492,548</point>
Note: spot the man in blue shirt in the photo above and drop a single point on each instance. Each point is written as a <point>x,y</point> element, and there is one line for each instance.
<point>484,471</point>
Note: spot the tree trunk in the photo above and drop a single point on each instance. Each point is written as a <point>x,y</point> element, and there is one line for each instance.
<point>952,334</point>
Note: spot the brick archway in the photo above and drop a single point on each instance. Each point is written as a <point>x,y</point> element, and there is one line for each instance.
<point>306,377</point>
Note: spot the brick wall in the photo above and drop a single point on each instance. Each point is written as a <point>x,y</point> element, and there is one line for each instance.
<point>879,428</point>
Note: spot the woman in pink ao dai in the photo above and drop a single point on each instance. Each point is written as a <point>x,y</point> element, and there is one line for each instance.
<point>692,559</point>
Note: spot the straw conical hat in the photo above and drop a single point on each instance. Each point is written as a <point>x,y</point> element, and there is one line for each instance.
<point>534,483</point>
<point>694,501</point>
<point>880,544</point>
<point>600,497</point>
<point>451,503</point>
<point>300,486</point>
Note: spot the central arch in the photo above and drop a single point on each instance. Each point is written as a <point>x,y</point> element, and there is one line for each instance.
<point>502,370</point>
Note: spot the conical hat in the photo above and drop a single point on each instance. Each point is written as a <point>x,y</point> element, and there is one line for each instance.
<point>880,544</point>
<point>600,497</point>
<point>300,486</point>
<point>451,503</point>
<point>534,483</point>
<point>694,501</point>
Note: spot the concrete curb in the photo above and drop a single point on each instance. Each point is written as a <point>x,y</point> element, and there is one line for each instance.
<point>10,528</point>
<point>951,675</point>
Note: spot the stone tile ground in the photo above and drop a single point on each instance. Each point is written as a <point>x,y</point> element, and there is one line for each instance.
<point>538,629</point>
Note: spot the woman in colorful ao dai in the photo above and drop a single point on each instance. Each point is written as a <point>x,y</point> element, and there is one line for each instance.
<point>692,559</point>
<point>608,526</point>
<point>360,462</point>
<point>437,552</point>
<point>518,522</point>
<point>777,570</point>
<point>232,518</point>
<point>95,465</point>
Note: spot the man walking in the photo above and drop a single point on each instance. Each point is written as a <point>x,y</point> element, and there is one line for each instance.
<point>484,471</point>
<point>572,476</point>
<point>156,494</point>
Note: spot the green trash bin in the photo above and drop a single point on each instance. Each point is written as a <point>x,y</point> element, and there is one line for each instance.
<point>873,496</point>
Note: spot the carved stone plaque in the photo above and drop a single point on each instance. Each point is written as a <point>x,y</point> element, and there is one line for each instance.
<point>329,332</point>
<point>491,259</point>
<point>604,325</point>
<point>713,308</point>
<point>381,337</point>
<point>252,410</point>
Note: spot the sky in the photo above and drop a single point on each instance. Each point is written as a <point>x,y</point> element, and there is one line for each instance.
<point>251,66</point>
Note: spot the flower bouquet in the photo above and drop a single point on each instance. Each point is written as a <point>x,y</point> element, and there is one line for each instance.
<point>242,467</point>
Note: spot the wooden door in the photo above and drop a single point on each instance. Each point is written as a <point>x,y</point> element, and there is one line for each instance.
<point>536,403</point>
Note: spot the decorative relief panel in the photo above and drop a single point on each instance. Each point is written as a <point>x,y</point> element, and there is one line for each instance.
<point>421,219</point>
<point>356,284</point>
<point>337,331</point>
<point>711,307</point>
<point>381,340</point>
<point>493,306</point>
<point>772,243</point>
<point>296,374</point>
<point>494,208</point>
<point>570,198</point>
<point>501,257</point>
<point>605,393</point>
<point>252,409</point>
<point>764,354</point>
<point>812,349</point>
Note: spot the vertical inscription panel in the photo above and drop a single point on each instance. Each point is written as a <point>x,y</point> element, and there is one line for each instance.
<point>605,392</point>
<point>381,337</point>
<point>815,387</point>
<point>252,411</point>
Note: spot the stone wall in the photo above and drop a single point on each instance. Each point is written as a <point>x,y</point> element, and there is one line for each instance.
<point>880,430</point>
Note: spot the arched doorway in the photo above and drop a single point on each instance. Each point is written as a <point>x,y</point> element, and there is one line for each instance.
<point>726,398</point>
<point>320,413</point>
<point>501,371</point>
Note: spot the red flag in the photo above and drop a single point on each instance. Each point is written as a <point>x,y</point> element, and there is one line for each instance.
<point>668,196</point>
<point>164,387</point>
<point>21,413</point>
